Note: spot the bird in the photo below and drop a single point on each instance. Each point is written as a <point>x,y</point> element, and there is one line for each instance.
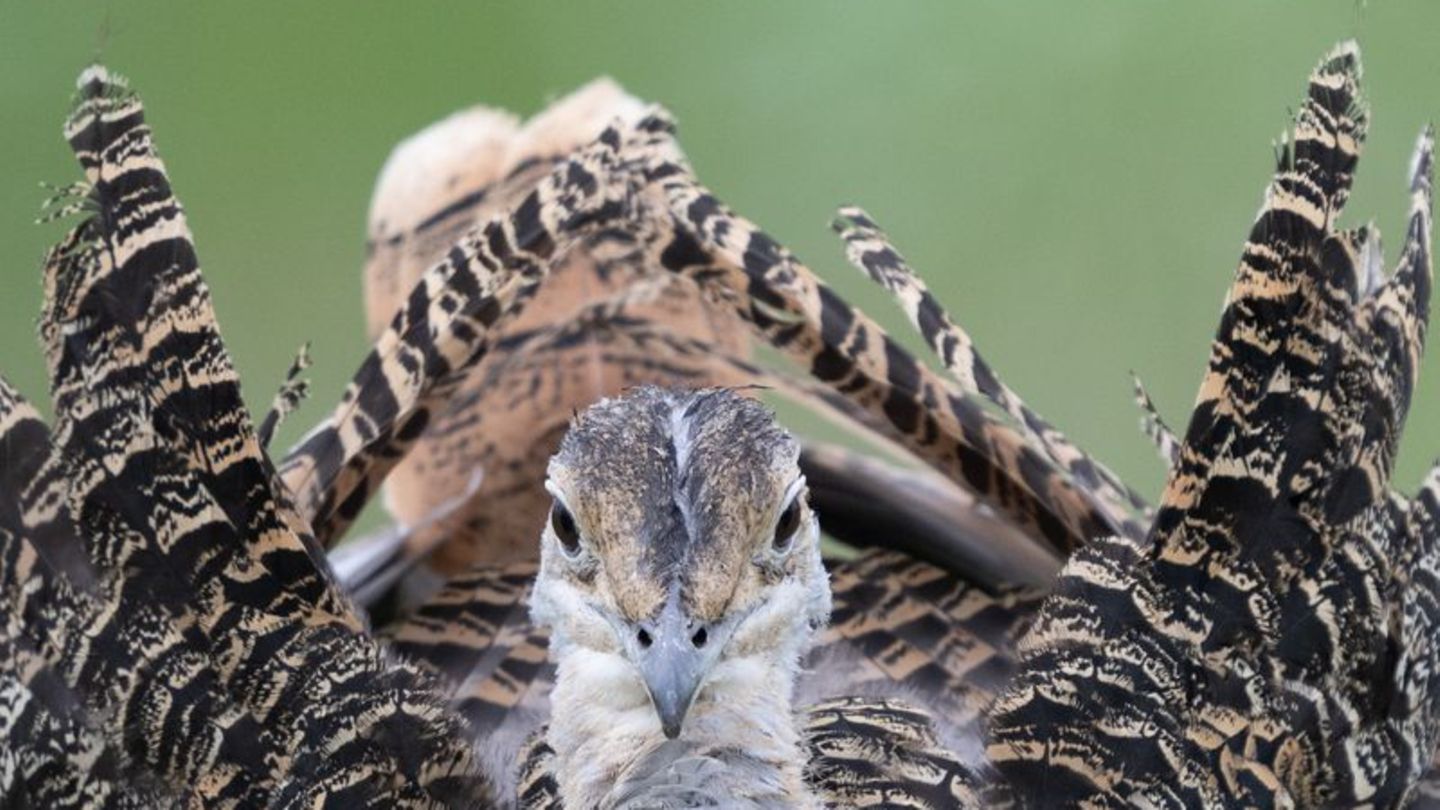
<point>1265,633</point>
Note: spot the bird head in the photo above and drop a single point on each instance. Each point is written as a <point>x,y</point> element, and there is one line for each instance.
<point>680,554</point>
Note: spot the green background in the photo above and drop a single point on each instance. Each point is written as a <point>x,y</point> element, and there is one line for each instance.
<point>1075,179</point>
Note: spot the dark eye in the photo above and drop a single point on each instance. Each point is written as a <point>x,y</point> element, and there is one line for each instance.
<point>564,525</point>
<point>787,525</point>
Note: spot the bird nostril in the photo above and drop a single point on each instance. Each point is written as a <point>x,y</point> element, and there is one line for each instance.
<point>700,638</point>
<point>644,639</point>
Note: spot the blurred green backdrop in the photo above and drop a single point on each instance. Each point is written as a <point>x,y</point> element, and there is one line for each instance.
<point>1075,179</point>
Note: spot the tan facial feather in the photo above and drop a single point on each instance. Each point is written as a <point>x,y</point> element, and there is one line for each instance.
<point>678,491</point>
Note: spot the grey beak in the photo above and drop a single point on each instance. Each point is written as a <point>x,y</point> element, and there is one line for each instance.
<point>672,665</point>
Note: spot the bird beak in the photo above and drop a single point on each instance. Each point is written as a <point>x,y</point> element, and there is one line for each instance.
<point>672,666</point>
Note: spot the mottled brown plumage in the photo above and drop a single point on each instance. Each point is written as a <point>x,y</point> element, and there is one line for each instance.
<point>1272,641</point>
<point>169,634</point>
<point>170,639</point>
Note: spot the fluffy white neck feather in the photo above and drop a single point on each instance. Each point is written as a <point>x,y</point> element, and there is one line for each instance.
<point>605,735</point>
<point>739,743</point>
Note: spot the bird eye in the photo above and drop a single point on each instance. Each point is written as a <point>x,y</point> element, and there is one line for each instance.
<point>564,525</point>
<point>787,525</point>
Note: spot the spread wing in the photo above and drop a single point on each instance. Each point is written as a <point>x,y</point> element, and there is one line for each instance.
<point>171,634</point>
<point>1273,640</point>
